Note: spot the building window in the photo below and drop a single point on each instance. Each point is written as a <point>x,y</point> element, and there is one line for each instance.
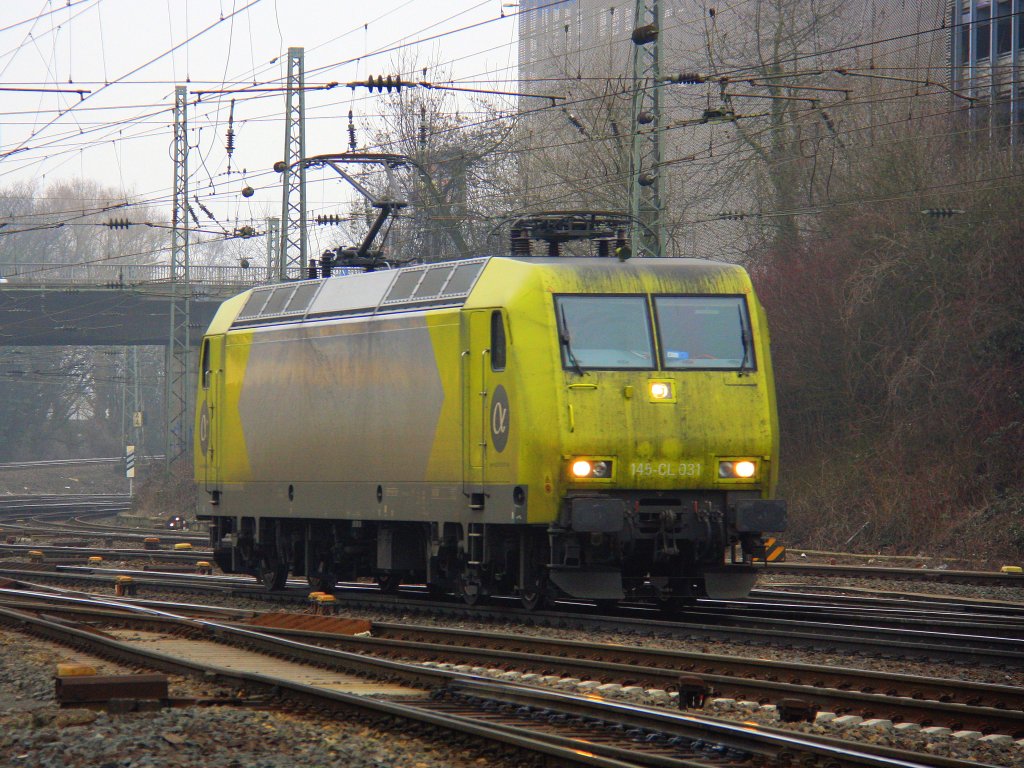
<point>982,39</point>
<point>1004,27</point>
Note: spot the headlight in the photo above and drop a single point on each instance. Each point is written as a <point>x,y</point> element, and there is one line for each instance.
<point>582,468</point>
<point>738,469</point>
<point>594,469</point>
<point>661,391</point>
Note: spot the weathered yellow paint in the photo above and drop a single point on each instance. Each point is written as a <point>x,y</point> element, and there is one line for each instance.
<point>234,455</point>
<point>533,363</point>
<point>445,464</point>
<point>656,445</point>
<point>221,399</point>
<point>556,414</point>
<point>227,313</point>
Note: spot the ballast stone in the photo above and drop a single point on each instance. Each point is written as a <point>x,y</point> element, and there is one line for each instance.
<point>907,727</point>
<point>997,738</point>
<point>848,720</point>
<point>967,735</point>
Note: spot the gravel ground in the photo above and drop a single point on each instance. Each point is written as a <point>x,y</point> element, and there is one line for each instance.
<point>35,733</point>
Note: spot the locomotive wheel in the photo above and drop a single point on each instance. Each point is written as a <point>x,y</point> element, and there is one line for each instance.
<point>471,591</point>
<point>388,583</point>
<point>272,573</point>
<point>535,595</point>
<point>532,599</point>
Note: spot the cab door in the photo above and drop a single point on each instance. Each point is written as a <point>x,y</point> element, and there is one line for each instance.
<point>208,418</point>
<point>486,412</point>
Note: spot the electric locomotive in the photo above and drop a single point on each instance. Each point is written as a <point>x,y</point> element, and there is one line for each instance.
<point>594,428</point>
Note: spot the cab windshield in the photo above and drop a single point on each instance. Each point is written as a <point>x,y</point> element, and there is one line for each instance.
<point>614,333</point>
<point>704,332</point>
<point>604,332</point>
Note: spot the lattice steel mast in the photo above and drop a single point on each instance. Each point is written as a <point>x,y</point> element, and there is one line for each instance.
<point>645,201</point>
<point>177,380</point>
<point>292,253</point>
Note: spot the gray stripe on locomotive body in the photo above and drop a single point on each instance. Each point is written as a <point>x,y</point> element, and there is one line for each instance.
<point>364,400</point>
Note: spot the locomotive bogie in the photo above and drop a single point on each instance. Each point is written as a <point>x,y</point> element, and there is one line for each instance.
<point>577,427</point>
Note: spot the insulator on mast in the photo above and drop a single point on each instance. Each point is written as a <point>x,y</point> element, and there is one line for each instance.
<point>230,144</point>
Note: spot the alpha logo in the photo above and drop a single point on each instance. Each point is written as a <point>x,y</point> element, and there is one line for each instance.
<point>499,419</point>
<point>204,428</point>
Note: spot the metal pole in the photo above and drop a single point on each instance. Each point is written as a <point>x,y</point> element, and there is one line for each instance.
<point>177,358</point>
<point>645,202</point>
<point>292,261</point>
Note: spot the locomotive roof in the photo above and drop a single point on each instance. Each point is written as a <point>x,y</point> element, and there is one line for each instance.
<point>441,284</point>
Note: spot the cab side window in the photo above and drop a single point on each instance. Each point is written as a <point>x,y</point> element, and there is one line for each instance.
<point>498,346</point>
<point>205,363</point>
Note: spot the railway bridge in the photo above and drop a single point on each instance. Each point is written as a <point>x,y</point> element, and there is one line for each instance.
<point>126,305</point>
<point>50,304</point>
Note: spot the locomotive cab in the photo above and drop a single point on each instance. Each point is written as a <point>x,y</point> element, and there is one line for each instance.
<point>637,401</point>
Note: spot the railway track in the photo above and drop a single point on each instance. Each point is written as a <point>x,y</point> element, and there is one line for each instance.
<point>982,639</point>
<point>896,573</point>
<point>38,528</point>
<point>802,689</point>
<point>569,728</point>
<point>64,554</point>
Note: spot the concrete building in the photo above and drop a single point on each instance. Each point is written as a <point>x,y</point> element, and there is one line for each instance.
<point>786,85</point>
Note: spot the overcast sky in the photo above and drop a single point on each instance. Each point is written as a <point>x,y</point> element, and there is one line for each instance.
<point>127,55</point>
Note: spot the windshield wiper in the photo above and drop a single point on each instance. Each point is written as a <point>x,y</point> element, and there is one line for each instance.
<point>563,337</point>
<point>744,341</point>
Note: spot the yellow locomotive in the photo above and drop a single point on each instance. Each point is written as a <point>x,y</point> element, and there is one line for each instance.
<point>540,427</point>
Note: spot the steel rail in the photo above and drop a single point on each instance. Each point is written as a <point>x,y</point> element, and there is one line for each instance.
<point>726,674</point>
<point>905,574</point>
<point>821,635</point>
<point>841,690</point>
<point>53,550</point>
<point>745,737</point>
<point>906,600</point>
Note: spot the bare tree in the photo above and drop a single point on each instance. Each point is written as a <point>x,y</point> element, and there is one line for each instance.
<point>61,401</point>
